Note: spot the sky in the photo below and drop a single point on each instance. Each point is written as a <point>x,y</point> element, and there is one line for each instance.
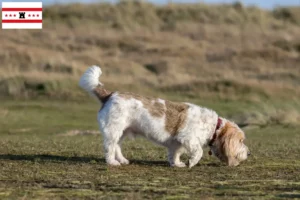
<point>267,4</point>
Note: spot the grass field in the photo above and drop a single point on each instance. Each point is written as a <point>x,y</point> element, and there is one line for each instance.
<point>43,157</point>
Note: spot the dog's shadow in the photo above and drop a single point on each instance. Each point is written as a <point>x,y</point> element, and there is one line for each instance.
<point>88,159</point>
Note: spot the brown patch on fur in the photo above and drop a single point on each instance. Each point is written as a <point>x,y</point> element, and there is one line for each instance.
<point>176,113</point>
<point>102,94</point>
<point>155,108</point>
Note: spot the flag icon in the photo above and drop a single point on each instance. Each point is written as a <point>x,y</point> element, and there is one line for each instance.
<point>22,15</point>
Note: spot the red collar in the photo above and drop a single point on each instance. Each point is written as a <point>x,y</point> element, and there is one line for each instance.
<point>215,133</point>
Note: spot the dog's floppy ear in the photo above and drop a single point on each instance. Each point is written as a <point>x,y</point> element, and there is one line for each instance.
<point>227,142</point>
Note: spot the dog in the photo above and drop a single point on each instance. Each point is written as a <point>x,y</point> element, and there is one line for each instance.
<point>180,127</point>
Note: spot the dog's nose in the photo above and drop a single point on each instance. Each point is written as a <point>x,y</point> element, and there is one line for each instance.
<point>249,153</point>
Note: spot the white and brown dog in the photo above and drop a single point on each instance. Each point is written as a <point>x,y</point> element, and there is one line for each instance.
<point>181,127</point>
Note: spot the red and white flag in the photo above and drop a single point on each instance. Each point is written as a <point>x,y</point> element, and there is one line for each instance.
<point>22,15</point>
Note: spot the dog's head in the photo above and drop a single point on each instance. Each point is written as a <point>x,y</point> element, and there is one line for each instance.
<point>229,144</point>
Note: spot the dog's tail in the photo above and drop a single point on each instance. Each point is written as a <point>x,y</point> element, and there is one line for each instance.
<point>89,81</point>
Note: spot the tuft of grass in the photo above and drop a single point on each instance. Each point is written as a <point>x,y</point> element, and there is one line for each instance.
<point>288,14</point>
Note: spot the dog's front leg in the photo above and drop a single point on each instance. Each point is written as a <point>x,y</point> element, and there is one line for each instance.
<point>196,154</point>
<point>174,153</point>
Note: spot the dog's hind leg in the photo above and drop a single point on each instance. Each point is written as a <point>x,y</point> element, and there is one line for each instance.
<point>113,152</point>
<point>112,125</point>
<point>110,147</point>
<point>119,155</point>
<point>112,135</point>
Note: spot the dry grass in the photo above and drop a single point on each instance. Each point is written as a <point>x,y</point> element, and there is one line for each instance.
<point>159,47</point>
<point>182,52</point>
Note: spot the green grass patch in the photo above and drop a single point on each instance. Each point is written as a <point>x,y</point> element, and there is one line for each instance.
<point>39,161</point>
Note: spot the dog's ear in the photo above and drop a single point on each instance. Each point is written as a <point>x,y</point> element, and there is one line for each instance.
<point>228,143</point>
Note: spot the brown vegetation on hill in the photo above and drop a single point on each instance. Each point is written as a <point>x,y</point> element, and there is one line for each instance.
<point>198,50</point>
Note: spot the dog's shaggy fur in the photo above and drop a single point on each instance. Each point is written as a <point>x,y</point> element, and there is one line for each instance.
<point>181,127</point>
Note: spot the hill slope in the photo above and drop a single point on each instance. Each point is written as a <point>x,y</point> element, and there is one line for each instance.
<point>195,50</point>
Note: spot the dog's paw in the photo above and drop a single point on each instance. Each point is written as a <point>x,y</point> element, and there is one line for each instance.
<point>192,163</point>
<point>124,161</point>
<point>181,164</point>
<point>113,163</point>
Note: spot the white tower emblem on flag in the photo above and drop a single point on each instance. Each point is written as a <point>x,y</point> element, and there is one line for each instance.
<point>22,15</point>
